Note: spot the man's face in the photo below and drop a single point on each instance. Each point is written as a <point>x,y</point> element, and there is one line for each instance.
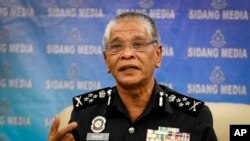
<point>131,68</point>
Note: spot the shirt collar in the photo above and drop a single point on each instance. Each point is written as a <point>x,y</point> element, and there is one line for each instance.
<point>158,101</point>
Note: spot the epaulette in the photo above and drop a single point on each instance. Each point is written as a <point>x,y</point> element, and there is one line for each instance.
<point>182,102</point>
<point>91,98</point>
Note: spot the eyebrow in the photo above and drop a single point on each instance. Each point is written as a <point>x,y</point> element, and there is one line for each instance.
<point>118,39</point>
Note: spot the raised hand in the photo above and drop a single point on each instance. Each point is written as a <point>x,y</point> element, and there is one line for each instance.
<point>63,134</point>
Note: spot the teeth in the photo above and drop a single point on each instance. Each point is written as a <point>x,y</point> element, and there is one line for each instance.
<point>127,68</point>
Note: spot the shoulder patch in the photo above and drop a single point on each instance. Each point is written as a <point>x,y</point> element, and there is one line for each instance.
<point>91,98</point>
<point>184,103</point>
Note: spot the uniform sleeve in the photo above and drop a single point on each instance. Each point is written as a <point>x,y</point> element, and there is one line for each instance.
<point>203,128</point>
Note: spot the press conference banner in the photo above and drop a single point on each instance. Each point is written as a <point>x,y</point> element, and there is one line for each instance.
<point>51,50</point>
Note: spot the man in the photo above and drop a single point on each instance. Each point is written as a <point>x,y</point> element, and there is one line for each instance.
<point>137,107</point>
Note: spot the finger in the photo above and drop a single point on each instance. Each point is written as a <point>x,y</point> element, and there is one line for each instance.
<point>55,125</point>
<point>68,137</point>
<point>67,129</point>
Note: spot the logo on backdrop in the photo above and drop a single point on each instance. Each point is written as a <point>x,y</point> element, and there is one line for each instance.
<point>6,70</point>
<point>73,82</point>
<point>6,117</point>
<point>4,34</point>
<point>74,72</point>
<point>7,3</point>
<point>8,78</point>
<point>47,3</point>
<point>218,13</point>
<point>74,36</point>
<point>74,47</point>
<point>5,108</point>
<point>217,76</point>
<point>217,86</point>
<point>4,39</point>
<point>218,39</point>
<point>75,3</point>
<point>44,7</point>
<point>146,3</point>
<point>219,51</point>
<point>146,8</point>
<point>219,4</point>
<point>7,47</point>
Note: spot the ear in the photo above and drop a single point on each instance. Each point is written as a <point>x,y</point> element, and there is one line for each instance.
<point>158,56</point>
<point>105,59</point>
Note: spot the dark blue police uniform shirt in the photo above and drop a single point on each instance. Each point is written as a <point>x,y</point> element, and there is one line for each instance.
<point>177,111</point>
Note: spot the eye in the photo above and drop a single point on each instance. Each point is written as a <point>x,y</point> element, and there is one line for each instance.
<point>116,45</point>
<point>138,44</point>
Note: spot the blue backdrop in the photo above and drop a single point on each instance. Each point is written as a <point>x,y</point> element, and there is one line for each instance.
<point>51,50</point>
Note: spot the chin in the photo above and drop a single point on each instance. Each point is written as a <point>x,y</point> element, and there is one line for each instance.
<point>129,82</point>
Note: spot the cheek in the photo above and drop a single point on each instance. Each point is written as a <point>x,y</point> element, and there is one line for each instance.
<point>152,60</point>
<point>147,62</point>
<point>111,63</point>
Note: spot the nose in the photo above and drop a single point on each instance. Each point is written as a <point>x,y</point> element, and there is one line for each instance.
<point>127,52</point>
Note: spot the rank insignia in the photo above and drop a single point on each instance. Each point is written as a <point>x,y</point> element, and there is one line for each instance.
<point>88,99</point>
<point>182,102</point>
<point>185,104</point>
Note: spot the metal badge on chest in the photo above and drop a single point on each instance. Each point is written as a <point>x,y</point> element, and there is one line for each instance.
<point>97,126</point>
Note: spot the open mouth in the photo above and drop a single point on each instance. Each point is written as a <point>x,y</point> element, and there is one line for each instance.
<point>128,67</point>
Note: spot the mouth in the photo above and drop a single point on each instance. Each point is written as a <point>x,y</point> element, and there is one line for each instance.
<point>128,68</point>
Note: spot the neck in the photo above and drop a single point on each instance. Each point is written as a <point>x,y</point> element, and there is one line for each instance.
<point>136,99</point>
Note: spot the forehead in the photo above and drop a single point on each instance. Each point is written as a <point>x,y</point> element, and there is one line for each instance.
<point>128,29</point>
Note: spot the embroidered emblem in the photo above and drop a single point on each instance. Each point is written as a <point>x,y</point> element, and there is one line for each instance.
<point>181,102</point>
<point>187,103</point>
<point>102,94</point>
<point>161,99</point>
<point>98,124</point>
<point>171,98</point>
<point>184,103</point>
<point>85,100</point>
<point>109,94</point>
<point>194,106</point>
<point>78,99</point>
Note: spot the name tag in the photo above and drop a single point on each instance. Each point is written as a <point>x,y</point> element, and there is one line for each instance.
<point>97,137</point>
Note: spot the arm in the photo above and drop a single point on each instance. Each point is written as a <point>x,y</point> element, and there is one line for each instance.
<point>203,127</point>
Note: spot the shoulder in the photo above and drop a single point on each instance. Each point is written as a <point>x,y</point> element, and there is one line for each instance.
<point>91,98</point>
<point>183,103</point>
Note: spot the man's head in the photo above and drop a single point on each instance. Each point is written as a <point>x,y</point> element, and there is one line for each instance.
<point>132,49</point>
<point>149,24</point>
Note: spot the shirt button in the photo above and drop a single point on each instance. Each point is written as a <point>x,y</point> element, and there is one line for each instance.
<point>131,130</point>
